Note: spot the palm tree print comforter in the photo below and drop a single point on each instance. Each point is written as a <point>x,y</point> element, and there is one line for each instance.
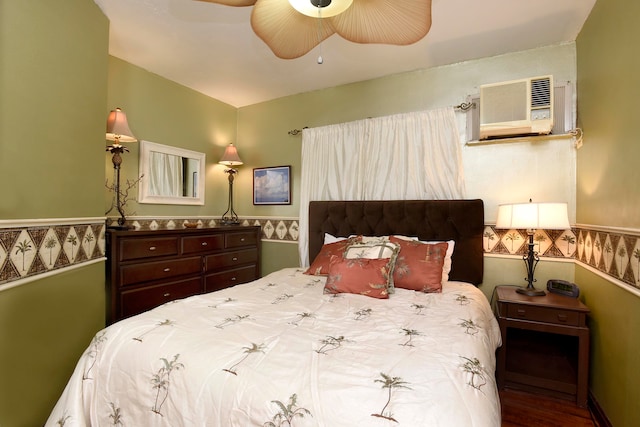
<point>280,352</point>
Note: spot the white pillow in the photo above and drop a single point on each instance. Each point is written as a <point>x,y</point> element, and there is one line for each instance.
<point>329,238</point>
<point>446,268</point>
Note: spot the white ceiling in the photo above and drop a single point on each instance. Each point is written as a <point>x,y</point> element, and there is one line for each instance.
<point>212,49</point>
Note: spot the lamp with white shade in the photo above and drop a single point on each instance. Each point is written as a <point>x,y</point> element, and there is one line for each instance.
<point>118,131</point>
<point>531,217</point>
<point>230,158</point>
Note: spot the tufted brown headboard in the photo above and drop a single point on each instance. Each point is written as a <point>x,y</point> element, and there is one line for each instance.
<point>459,220</point>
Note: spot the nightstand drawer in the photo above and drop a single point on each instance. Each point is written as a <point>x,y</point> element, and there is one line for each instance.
<point>543,314</point>
<point>148,271</point>
<point>199,244</point>
<point>147,248</point>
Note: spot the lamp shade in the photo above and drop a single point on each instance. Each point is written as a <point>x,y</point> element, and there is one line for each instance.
<point>230,157</point>
<point>118,127</point>
<point>531,216</point>
<point>323,8</point>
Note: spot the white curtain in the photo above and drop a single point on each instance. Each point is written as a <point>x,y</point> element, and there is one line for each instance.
<point>400,157</point>
<point>166,174</point>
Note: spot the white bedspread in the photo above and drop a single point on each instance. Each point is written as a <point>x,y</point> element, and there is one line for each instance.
<point>278,352</point>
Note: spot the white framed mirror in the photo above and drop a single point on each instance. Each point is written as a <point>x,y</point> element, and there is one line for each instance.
<point>171,175</point>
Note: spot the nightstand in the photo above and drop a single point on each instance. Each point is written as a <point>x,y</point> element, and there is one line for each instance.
<point>545,344</point>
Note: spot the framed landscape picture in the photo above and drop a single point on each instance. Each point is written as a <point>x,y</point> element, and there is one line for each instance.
<point>272,185</point>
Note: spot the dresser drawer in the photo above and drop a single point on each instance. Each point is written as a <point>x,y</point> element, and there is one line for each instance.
<point>243,238</point>
<point>224,279</point>
<point>198,244</point>
<point>543,314</point>
<point>231,259</point>
<point>139,300</point>
<point>148,271</point>
<point>149,247</point>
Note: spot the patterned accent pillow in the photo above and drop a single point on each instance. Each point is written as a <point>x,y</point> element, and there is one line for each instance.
<point>320,265</point>
<point>375,248</point>
<point>419,265</point>
<point>363,276</point>
<point>372,249</point>
<point>451,244</point>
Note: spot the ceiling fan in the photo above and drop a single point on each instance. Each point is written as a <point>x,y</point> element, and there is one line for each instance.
<point>291,28</point>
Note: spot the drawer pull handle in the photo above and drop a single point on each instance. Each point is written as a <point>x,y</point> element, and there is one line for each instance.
<point>166,270</point>
<point>242,239</point>
<point>152,248</point>
<point>562,317</point>
<point>522,312</point>
<point>204,243</point>
<point>235,258</point>
<point>167,295</point>
<point>233,279</point>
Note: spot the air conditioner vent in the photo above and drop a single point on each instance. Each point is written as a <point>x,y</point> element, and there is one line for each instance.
<point>517,107</point>
<point>540,92</point>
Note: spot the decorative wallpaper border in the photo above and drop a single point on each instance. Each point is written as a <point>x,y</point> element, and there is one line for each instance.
<point>32,248</point>
<point>38,248</point>
<point>548,243</point>
<point>614,253</point>
<point>273,228</point>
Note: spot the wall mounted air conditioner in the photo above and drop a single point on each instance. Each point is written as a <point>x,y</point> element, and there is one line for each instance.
<point>517,107</point>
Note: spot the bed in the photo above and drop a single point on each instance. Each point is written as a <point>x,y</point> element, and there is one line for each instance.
<point>295,349</point>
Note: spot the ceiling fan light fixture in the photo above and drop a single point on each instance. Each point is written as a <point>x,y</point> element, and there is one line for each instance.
<point>324,8</point>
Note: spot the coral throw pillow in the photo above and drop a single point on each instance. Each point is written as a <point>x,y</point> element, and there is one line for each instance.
<point>419,265</point>
<point>320,265</point>
<point>363,276</point>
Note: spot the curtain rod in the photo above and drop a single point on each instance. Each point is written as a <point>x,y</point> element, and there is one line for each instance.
<point>297,131</point>
<point>464,106</point>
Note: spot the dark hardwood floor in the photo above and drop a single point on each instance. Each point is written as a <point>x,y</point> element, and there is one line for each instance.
<point>520,409</point>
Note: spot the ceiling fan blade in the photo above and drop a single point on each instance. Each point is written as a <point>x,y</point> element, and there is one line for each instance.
<point>397,22</point>
<point>231,2</point>
<point>287,32</point>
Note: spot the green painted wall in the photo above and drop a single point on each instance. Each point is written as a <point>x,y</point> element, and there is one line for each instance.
<point>608,87</point>
<point>276,256</point>
<point>164,112</point>
<point>52,115</point>
<point>53,58</point>
<point>614,321</point>
<point>45,326</point>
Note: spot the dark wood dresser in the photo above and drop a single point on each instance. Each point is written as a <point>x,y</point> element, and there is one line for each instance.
<point>545,344</point>
<point>151,267</point>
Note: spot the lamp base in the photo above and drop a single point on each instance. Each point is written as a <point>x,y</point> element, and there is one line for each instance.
<point>119,227</point>
<point>531,292</point>
<point>225,221</point>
